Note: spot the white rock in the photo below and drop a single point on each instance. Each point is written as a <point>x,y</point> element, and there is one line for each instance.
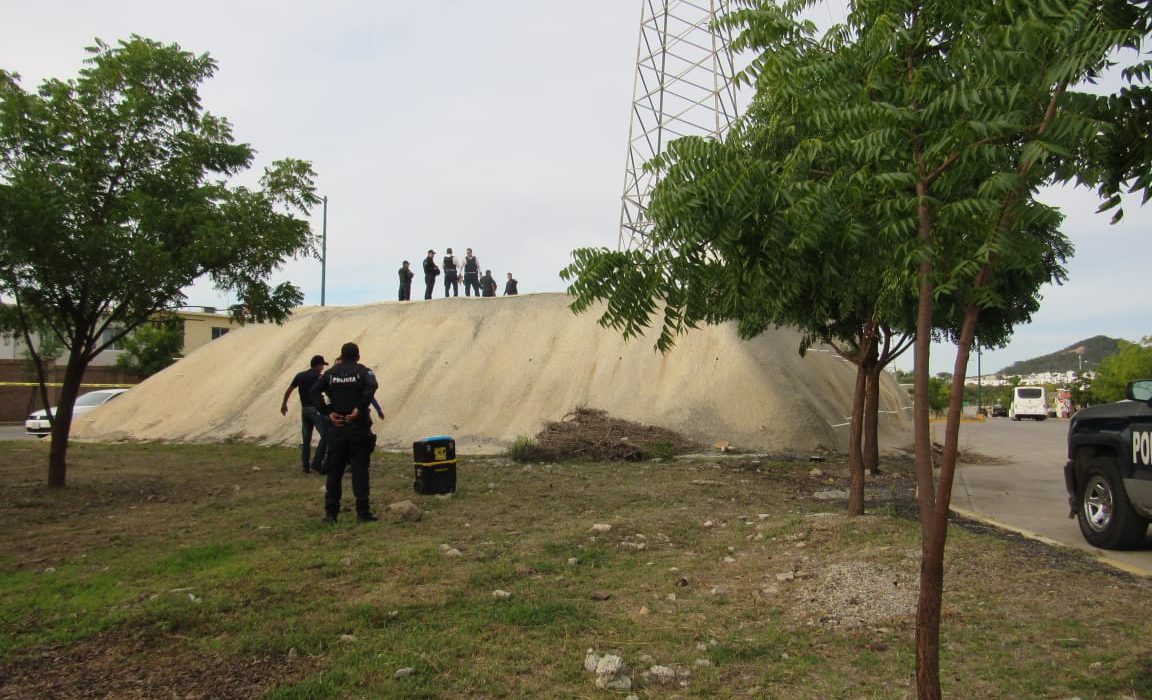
<point>501,595</point>
<point>601,527</point>
<point>453,552</point>
<point>708,523</point>
<point>404,511</point>
<point>786,576</point>
<point>402,672</point>
<point>573,561</point>
<point>703,663</point>
<point>347,637</point>
<point>729,560</point>
<point>612,674</point>
<point>701,646</point>
<point>663,675</point>
<point>591,661</point>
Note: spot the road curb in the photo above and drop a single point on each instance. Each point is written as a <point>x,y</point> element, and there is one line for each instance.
<point>1099,555</point>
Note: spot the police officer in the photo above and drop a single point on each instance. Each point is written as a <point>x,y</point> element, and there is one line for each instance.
<point>406,275</point>
<point>431,272</point>
<point>451,278</point>
<point>471,274</point>
<point>350,388</point>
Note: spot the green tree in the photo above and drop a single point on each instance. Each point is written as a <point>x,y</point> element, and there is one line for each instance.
<point>925,129</point>
<point>114,197</point>
<point>152,346</point>
<point>1133,361</point>
<point>940,394</point>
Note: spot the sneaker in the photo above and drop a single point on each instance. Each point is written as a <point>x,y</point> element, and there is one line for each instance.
<point>367,518</point>
<point>329,520</point>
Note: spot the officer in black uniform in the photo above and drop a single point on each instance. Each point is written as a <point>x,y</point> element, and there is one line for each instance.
<point>451,278</point>
<point>350,388</point>
<point>431,271</point>
<point>471,274</point>
<point>406,275</point>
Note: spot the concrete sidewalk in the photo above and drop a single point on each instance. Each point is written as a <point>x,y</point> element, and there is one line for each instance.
<point>1026,494</point>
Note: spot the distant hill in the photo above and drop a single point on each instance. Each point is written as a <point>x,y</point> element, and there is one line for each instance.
<point>1093,349</point>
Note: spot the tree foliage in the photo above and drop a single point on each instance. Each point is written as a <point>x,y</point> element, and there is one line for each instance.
<point>1133,361</point>
<point>115,196</point>
<point>153,346</point>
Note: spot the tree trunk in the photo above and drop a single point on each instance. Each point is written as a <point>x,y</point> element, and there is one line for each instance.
<point>872,419</point>
<point>931,577</point>
<point>855,461</point>
<point>62,421</point>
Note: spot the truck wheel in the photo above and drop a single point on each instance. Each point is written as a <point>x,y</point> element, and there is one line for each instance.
<point>1106,517</point>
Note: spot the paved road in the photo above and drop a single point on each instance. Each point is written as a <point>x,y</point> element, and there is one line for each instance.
<point>12,431</point>
<point>1027,494</point>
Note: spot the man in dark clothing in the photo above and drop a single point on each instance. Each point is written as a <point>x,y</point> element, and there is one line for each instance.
<point>350,388</point>
<point>487,284</point>
<point>471,274</point>
<point>510,286</point>
<point>451,280</point>
<point>431,271</point>
<point>406,275</point>
<point>310,417</point>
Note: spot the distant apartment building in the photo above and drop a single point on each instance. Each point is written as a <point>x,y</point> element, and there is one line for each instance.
<point>1036,379</point>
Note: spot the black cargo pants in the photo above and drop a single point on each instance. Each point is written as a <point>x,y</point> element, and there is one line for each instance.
<point>351,448</point>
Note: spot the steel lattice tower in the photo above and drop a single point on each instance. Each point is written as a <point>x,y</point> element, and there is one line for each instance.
<point>683,87</point>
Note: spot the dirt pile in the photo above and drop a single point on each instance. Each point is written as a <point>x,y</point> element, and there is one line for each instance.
<point>488,371</point>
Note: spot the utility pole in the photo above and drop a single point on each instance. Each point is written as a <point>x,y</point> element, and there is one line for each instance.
<point>683,87</point>
<point>979,384</point>
<point>324,251</point>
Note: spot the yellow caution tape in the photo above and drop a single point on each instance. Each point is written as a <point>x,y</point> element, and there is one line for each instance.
<point>57,383</point>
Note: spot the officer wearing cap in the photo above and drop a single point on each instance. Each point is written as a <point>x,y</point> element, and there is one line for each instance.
<point>431,271</point>
<point>350,388</point>
<point>310,416</point>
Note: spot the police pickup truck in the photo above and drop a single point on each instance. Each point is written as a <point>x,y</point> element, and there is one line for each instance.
<point>1109,470</point>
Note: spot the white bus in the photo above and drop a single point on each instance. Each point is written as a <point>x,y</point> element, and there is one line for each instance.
<point>1029,402</point>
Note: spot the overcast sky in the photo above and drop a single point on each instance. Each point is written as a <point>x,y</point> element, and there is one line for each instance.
<point>500,126</point>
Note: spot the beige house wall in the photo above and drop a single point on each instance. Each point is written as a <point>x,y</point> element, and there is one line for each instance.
<point>201,328</point>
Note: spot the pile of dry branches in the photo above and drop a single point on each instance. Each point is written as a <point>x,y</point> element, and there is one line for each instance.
<point>588,433</point>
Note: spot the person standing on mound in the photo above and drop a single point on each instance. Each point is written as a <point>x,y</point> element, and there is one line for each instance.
<point>350,388</point>
<point>431,272</point>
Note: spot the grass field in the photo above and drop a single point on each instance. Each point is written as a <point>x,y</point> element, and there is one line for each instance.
<point>172,571</point>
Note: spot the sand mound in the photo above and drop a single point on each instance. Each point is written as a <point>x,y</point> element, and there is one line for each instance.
<point>489,370</point>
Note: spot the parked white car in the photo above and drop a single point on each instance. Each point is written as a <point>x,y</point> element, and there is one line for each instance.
<point>37,423</point>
